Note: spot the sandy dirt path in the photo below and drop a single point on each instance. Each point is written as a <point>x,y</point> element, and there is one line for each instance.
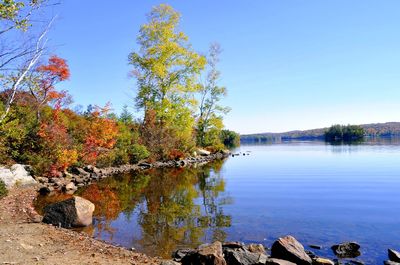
<point>25,241</point>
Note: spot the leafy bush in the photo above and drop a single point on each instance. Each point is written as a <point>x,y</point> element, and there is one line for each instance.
<point>138,152</point>
<point>3,190</point>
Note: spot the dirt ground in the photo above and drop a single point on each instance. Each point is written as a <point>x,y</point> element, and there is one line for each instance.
<point>23,240</point>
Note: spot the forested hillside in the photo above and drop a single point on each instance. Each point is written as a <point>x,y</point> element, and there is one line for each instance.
<point>373,130</point>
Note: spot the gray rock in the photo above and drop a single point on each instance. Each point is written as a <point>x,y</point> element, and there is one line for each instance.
<point>346,250</point>
<point>17,175</point>
<point>233,245</point>
<point>273,261</point>
<point>179,254</point>
<point>209,254</point>
<point>244,257</point>
<point>73,212</point>
<point>394,255</point>
<point>288,248</point>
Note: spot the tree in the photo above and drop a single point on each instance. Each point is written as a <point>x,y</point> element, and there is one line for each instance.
<point>167,69</point>
<point>19,53</point>
<point>209,122</point>
<point>42,82</point>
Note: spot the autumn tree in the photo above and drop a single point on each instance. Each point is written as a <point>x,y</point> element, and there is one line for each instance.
<point>209,123</point>
<point>167,69</point>
<point>42,83</point>
<point>101,135</point>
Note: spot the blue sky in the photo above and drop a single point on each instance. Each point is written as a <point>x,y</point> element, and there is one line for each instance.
<point>287,65</point>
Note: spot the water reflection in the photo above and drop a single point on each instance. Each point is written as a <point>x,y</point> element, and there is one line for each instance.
<point>171,207</point>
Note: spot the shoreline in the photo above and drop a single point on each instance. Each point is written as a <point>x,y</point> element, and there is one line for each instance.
<point>81,177</point>
<point>26,241</point>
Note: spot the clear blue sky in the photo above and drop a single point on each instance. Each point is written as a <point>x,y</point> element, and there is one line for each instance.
<point>287,65</point>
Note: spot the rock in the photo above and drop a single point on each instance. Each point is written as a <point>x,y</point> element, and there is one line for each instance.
<point>70,186</point>
<point>73,212</point>
<point>169,262</point>
<point>346,250</point>
<point>357,262</point>
<point>144,165</point>
<point>233,245</point>
<point>91,169</point>
<point>256,248</point>
<point>389,262</point>
<point>315,246</point>
<point>288,248</point>
<point>244,257</point>
<point>17,175</point>
<point>203,152</point>
<point>322,261</point>
<point>44,190</point>
<point>209,254</point>
<point>394,255</point>
<point>79,171</point>
<point>179,254</point>
<point>273,261</point>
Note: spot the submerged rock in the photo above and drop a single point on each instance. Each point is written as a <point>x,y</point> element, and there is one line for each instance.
<point>322,261</point>
<point>394,255</point>
<point>288,248</point>
<point>346,250</point>
<point>73,212</point>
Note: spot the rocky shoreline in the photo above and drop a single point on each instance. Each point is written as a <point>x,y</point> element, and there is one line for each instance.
<point>80,177</point>
<point>284,251</point>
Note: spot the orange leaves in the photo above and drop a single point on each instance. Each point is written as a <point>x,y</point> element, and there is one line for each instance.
<point>56,70</point>
<point>101,135</point>
<point>47,76</point>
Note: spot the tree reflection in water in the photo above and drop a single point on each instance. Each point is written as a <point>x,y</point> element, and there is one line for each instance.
<point>174,208</point>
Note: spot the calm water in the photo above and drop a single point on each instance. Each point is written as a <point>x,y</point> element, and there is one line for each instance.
<point>321,194</point>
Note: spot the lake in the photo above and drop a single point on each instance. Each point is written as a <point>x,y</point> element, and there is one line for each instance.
<point>320,193</point>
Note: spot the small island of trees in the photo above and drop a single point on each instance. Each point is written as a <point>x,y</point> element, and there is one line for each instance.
<point>344,133</point>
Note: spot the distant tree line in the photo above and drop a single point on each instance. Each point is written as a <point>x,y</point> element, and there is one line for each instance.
<point>344,133</point>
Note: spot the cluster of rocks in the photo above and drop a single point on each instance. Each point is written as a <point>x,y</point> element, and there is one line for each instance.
<point>285,251</point>
<point>79,177</point>
<point>17,175</point>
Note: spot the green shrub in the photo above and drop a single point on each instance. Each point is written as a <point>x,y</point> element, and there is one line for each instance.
<point>3,189</point>
<point>138,152</point>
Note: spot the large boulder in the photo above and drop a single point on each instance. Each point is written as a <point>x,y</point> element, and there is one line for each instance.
<point>73,212</point>
<point>16,175</point>
<point>346,250</point>
<point>288,248</point>
<point>208,254</point>
<point>394,255</point>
